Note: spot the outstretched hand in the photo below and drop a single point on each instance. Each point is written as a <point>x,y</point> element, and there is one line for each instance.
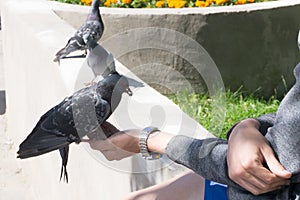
<point>118,145</point>
<point>251,161</point>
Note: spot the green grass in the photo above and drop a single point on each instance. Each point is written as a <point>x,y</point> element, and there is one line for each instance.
<point>218,114</point>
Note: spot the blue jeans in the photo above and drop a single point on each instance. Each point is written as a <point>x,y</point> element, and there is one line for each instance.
<point>215,191</point>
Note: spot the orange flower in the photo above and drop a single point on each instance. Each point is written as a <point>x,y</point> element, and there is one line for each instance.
<point>108,3</point>
<point>240,2</point>
<point>160,4</point>
<point>221,2</point>
<point>251,1</point>
<point>176,3</point>
<point>180,4</point>
<point>200,3</point>
<point>126,1</point>
<point>208,2</point>
<point>86,2</point>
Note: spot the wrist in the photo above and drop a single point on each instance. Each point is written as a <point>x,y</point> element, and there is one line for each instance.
<point>159,141</point>
<point>250,122</point>
<point>145,135</point>
<point>246,123</point>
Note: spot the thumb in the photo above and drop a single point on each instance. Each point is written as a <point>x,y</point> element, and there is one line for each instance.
<point>275,166</point>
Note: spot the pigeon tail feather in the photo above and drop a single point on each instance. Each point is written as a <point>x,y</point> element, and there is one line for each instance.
<point>40,142</point>
<point>64,153</point>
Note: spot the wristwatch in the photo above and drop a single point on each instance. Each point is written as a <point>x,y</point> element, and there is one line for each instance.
<point>144,135</point>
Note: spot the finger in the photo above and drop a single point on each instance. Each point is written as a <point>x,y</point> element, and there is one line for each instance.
<point>263,181</point>
<point>86,140</point>
<point>109,129</point>
<point>262,173</point>
<point>100,145</point>
<point>256,186</point>
<point>109,155</point>
<point>275,166</point>
<point>249,186</point>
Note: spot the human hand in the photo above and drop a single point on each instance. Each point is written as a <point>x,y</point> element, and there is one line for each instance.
<point>251,161</point>
<point>119,144</point>
<point>106,130</point>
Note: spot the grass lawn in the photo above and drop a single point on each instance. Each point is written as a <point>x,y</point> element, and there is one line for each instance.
<point>218,114</point>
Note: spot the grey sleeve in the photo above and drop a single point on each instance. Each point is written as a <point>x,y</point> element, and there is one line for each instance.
<point>208,158</point>
<point>205,157</point>
<point>266,121</point>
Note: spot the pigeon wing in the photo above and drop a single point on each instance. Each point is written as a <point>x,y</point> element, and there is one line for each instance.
<point>91,31</point>
<point>75,43</point>
<point>56,128</point>
<point>81,114</point>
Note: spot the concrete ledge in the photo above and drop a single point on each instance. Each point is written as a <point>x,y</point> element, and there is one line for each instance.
<point>253,45</point>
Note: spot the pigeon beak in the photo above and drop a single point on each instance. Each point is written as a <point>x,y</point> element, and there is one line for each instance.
<point>128,91</point>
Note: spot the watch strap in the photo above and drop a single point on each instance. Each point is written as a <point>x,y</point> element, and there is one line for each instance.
<point>144,135</point>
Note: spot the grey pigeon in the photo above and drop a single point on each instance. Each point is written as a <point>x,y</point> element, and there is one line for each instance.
<point>87,36</point>
<point>75,117</point>
<point>101,61</point>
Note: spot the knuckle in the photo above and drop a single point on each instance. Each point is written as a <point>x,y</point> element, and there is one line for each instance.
<point>255,192</point>
<point>269,180</point>
<point>247,164</point>
<point>108,156</point>
<point>93,147</point>
<point>233,174</point>
<point>264,187</point>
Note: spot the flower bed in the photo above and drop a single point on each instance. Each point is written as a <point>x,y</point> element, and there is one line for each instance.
<point>163,3</point>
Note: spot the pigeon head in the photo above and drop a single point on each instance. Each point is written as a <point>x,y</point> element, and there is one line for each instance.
<point>94,12</point>
<point>112,87</point>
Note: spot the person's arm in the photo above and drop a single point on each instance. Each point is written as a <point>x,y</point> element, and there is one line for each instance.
<point>187,186</point>
<point>189,152</point>
<point>123,144</point>
<point>251,161</point>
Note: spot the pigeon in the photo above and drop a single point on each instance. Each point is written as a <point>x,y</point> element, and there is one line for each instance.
<point>87,36</point>
<point>78,115</point>
<point>101,61</point>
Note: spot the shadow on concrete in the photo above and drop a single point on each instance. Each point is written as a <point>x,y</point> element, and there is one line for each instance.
<point>2,102</point>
